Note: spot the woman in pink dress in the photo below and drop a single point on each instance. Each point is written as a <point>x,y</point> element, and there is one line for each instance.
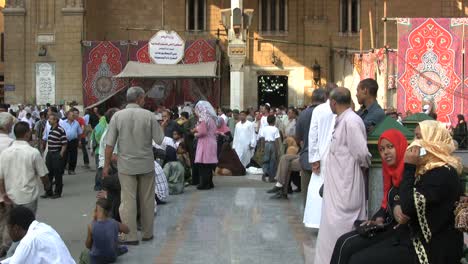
<point>206,154</point>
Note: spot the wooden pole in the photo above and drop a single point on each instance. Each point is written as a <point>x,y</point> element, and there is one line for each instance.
<point>360,41</point>
<point>385,99</point>
<point>371,29</point>
<point>385,23</point>
<point>385,91</point>
<point>162,15</point>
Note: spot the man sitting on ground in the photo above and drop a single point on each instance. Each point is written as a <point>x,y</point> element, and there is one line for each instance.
<point>39,243</point>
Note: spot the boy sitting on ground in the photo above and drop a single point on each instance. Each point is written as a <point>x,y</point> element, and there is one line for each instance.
<point>184,158</point>
<point>103,235</point>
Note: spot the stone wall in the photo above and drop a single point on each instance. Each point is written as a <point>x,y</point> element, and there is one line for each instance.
<point>311,23</point>
<point>62,23</point>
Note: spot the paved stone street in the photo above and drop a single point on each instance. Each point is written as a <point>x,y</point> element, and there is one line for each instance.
<point>234,223</point>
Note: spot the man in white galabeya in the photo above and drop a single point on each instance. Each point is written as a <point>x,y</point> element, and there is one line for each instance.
<point>320,134</point>
<point>344,199</point>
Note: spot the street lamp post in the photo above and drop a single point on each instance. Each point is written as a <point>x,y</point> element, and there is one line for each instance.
<point>237,20</point>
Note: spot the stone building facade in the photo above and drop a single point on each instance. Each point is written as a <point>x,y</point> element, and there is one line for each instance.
<point>2,53</point>
<point>286,37</point>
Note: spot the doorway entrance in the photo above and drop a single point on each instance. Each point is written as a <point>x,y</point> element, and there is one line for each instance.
<point>273,89</point>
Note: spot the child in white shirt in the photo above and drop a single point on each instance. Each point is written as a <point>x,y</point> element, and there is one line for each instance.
<point>270,137</point>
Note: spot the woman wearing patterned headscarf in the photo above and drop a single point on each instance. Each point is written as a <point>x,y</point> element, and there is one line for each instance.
<point>206,153</point>
<point>428,192</point>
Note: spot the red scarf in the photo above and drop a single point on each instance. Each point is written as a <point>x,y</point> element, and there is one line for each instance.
<point>392,175</point>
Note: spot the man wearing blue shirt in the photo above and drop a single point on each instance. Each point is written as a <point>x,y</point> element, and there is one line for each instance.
<point>370,112</point>
<point>73,130</point>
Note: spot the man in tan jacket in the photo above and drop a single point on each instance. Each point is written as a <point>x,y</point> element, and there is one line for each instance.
<point>134,129</point>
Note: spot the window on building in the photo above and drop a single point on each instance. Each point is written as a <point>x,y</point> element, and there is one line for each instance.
<point>195,15</point>
<point>349,16</point>
<point>273,15</point>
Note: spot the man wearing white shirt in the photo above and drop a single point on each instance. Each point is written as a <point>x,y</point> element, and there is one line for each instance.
<point>245,139</point>
<point>38,243</point>
<point>45,135</point>
<point>265,111</point>
<point>21,166</point>
<point>320,134</point>
<point>63,113</point>
<point>6,123</point>
<point>21,112</point>
<point>221,113</point>
<point>28,119</point>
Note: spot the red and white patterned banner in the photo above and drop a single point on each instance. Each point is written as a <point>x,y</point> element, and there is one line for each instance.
<point>430,66</point>
<point>104,59</point>
<point>365,65</point>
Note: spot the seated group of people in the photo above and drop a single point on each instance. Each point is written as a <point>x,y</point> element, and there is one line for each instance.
<point>416,221</point>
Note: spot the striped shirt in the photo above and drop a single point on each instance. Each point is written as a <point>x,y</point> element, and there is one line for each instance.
<point>57,138</point>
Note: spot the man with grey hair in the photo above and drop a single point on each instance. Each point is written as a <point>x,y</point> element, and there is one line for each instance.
<point>6,123</point>
<point>134,129</point>
<point>344,196</point>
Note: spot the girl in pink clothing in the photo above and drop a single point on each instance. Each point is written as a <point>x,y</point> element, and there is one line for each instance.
<point>206,154</point>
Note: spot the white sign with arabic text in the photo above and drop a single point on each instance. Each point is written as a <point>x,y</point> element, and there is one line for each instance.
<point>45,83</point>
<point>166,47</point>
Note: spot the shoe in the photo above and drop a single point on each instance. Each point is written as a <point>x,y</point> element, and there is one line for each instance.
<point>45,196</point>
<point>129,243</point>
<point>147,239</point>
<point>159,202</point>
<point>264,176</point>
<point>55,196</point>
<point>298,190</point>
<point>290,191</point>
<point>272,181</point>
<point>86,166</point>
<point>71,173</point>
<point>121,250</point>
<point>279,196</point>
<point>275,189</point>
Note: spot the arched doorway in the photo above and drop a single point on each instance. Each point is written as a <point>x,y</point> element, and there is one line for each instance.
<point>273,89</point>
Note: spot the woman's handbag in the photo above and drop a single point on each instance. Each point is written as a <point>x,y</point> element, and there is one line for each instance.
<point>461,216</point>
<point>368,230</point>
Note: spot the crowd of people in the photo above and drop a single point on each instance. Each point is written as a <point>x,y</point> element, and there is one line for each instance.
<point>142,157</point>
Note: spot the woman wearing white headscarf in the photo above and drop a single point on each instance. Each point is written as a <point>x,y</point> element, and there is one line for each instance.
<point>206,153</point>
